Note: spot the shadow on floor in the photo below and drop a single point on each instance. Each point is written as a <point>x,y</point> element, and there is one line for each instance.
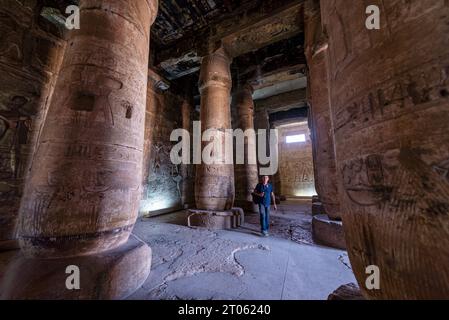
<point>292,221</point>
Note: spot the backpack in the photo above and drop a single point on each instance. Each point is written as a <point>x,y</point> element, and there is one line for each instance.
<point>256,199</point>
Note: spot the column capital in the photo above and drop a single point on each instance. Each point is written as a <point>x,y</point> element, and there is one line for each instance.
<point>216,70</point>
<point>315,35</point>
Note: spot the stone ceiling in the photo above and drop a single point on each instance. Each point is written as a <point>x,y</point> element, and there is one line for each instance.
<point>241,26</point>
<point>265,38</point>
<point>179,18</point>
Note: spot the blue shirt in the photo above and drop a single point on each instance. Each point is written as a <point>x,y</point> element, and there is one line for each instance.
<point>267,189</point>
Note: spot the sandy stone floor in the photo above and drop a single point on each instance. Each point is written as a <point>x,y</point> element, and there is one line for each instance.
<point>193,263</point>
<point>239,264</point>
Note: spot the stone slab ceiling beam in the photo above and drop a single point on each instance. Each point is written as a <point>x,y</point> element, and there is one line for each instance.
<point>240,34</point>
<point>283,102</point>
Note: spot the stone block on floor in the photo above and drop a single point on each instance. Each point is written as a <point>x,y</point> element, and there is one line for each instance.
<point>348,291</point>
<point>318,208</point>
<point>328,232</point>
<point>216,220</point>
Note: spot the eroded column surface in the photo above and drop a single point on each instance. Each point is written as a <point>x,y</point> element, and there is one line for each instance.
<point>187,170</point>
<point>246,174</point>
<point>214,183</point>
<point>262,122</point>
<point>29,61</point>
<point>389,93</point>
<point>322,131</point>
<point>83,192</point>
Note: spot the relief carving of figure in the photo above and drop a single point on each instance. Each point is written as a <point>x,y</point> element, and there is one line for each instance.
<point>11,42</point>
<point>91,94</point>
<point>364,181</point>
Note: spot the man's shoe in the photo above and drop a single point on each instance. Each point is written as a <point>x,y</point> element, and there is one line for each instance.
<point>265,234</point>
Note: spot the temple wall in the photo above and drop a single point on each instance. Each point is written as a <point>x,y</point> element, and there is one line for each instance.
<point>296,163</point>
<point>165,187</point>
<point>31,51</point>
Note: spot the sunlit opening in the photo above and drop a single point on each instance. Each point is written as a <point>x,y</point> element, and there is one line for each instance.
<point>296,138</point>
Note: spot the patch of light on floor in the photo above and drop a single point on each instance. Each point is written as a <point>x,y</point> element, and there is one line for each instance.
<point>157,204</point>
<point>309,192</point>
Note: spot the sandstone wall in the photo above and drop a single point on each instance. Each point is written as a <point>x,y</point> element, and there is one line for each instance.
<point>166,187</point>
<point>296,163</point>
<point>31,51</point>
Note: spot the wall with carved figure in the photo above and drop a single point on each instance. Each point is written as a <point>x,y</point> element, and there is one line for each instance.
<point>31,51</point>
<point>165,187</point>
<point>296,162</point>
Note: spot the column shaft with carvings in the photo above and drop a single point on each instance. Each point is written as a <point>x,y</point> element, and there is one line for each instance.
<point>321,123</point>
<point>187,170</point>
<point>246,175</point>
<point>82,195</point>
<point>84,187</point>
<point>262,122</point>
<point>389,94</point>
<point>214,183</point>
<point>327,228</point>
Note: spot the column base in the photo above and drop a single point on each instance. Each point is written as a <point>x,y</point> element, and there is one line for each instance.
<point>9,245</point>
<point>348,291</point>
<point>216,220</point>
<point>328,232</point>
<point>110,275</point>
<point>318,209</point>
<point>248,206</point>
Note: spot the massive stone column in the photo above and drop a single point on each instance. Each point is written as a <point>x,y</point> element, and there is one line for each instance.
<point>262,122</point>
<point>322,131</point>
<point>30,58</point>
<point>214,183</point>
<point>389,94</point>
<point>83,191</point>
<point>327,228</point>
<point>246,174</point>
<point>187,170</point>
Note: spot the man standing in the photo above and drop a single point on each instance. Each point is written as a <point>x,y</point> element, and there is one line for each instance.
<point>264,191</point>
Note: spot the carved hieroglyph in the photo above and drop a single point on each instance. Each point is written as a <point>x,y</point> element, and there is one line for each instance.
<point>322,135</point>
<point>29,61</point>
<point>214,184</point>
<point>390,102</point>
<point>83,192</point>
<point>246,175</point>
<point>163,182</point>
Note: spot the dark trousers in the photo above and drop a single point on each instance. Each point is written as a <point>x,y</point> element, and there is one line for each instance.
<point>264,217</point>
